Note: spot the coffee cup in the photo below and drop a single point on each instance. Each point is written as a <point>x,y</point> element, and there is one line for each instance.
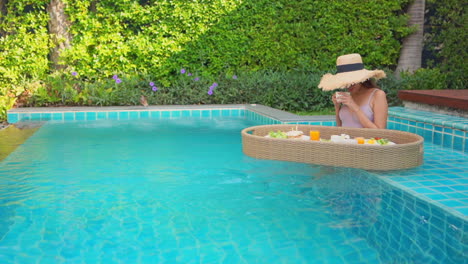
<point>339,95</point>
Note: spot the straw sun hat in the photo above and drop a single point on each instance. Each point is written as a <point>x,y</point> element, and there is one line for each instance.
<point>350,70</point>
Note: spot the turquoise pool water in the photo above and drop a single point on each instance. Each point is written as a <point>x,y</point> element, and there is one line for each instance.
<point>181,191</point>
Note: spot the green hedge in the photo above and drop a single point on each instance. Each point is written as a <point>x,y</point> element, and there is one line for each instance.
<point>294,90</point>
<point>278,49</point>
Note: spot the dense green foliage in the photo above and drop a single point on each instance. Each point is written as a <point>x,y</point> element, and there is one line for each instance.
<point>447,37</point>
<point>277,48</point>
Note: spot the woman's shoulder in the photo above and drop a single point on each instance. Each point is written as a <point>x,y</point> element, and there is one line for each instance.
<point>378,92</point>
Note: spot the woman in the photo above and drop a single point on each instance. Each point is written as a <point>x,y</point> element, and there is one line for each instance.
<point>365,105</point>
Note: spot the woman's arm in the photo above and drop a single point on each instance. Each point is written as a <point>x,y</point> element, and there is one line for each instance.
<point>337,110</point>
<point>379,107</point>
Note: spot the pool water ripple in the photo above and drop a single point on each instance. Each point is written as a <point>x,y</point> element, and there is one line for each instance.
<point>151,191</point>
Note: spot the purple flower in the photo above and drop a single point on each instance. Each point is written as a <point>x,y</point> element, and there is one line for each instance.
<point>151,84</point>
<point>210,92</point>
<point>234,77</point>
<point>118,80</point>
<point>182,71</point>
<point>74,73</point>
<point>196,79</point>
<point>115,77</point>
<point>189,74</point>
<point>155,88</point>
<point>215,85</point>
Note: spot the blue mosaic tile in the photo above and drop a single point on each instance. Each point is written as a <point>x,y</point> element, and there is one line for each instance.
<point>437,137</point>
<point>25,116</point>
<point>91,116</point>
<point>458,143</point>
<point>46,116</point>
<point>80,116</point>
<point>458,195</point>
<point>424,190</point>
<point>460,187</point>
<point>124,115</point>
<point>206,113</point>
<point>57,116</point>
<point>458,132</point>
<point>410,184</point>
<point>186,113</point>
<point>427,134</point>
<point>226,112</point>
<point>69,116</point>
<point>35,116</point>
<point>452,203</point>
<point>12,118</point>
<point>155,114</point>
<point>447,140</point>
<point>196,113</point>
<point>428,126</point>
<point>443,189</point>
<point>134,114</point>
<point>448,130</point>
<point>165,114</point>
<point>144,114</point>
<point>215,113</point>
<point>113,115</point>
<point>437,196</point>
<point>101,115</point>
<point>176,113</point>
<point>463,210</point>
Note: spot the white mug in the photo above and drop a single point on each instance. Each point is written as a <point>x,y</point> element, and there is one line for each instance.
<point>338,95</point>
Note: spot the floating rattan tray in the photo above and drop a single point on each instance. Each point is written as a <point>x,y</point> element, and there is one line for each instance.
<point>407,153</point>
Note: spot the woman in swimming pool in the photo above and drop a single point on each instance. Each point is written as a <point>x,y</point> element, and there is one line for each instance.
<point>364,104</point>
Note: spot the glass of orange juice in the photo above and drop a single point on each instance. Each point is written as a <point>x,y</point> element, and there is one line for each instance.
<point>314,135</point>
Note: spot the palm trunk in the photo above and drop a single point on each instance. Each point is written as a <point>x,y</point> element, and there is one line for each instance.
<point>58,29</point>
<point>411,50</point>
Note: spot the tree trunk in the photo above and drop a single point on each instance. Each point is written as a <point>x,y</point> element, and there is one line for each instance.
<point>58,30</point>
<point>411,50</point>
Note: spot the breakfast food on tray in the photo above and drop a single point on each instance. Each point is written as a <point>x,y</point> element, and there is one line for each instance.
<point>277,134</point>
<point>343,138</point>
<point>295,134</point>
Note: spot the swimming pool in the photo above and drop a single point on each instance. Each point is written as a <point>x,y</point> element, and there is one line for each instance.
<point>179,190</point>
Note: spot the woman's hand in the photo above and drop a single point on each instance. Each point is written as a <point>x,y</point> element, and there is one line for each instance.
<point>335,102</point>
<point>347,100</point>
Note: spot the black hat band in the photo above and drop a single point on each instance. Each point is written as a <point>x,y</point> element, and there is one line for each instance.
<point>349,67</point>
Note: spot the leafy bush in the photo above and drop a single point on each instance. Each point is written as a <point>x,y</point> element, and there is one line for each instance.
<point>446,38</point>
<point>279,49</point>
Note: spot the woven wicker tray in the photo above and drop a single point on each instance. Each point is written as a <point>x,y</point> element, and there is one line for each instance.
<point>407,153</point>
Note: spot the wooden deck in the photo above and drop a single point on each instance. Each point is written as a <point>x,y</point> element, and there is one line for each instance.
<point>455,99</point>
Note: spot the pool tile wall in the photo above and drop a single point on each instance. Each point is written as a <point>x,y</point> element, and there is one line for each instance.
<point>412,230</point>
<point>404,228</point>
<point>45,114</point>
<point>440,129</point>
<point>91,115</point>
